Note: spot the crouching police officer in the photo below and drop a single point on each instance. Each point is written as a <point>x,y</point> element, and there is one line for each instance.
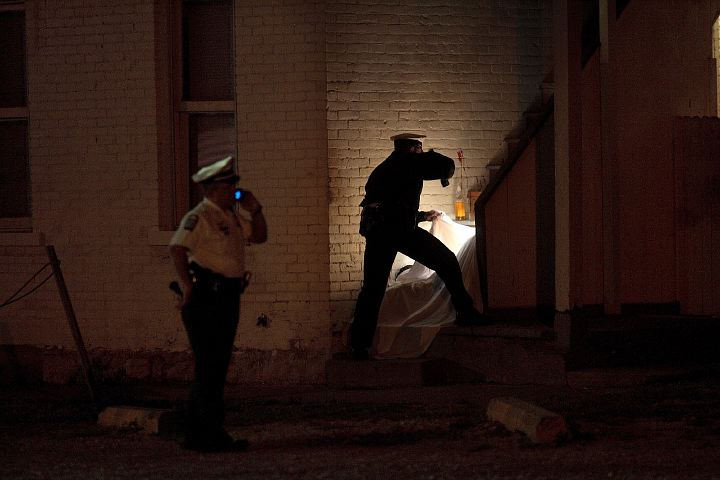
<point>208,250</point>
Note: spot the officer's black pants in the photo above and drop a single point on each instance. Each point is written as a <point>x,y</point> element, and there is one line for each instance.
<point>210,319</point>
<point>380,251</point>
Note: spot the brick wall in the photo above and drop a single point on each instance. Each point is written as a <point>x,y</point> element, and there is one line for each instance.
<point>320,87</point>
<point>94,181</point>
<point>460,72</point>
<point>280,54</point>
<point>93,154</point>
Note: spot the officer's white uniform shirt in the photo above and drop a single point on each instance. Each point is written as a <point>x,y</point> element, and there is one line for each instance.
<point>215,238</point>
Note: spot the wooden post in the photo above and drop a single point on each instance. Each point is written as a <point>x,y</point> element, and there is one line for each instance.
<point>608,94</point>
<point>72,321</point>
<point>567,75</point>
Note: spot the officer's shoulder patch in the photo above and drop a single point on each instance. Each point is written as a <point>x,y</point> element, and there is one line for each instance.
<point>190,222</point>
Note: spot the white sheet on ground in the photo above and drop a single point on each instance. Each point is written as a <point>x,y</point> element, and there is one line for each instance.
<point>417,304</point>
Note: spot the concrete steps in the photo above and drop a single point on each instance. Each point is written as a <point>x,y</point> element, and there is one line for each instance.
<point>416,372</point>
<point>512,354</point>
<point>640,341</point>
<point>629,376</point>
<point>616,351</point>
<point>506,354</point>
<point>641,349</point>
<point>517,139</point>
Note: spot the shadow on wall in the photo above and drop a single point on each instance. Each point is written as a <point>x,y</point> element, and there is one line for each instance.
<point>530,59</point>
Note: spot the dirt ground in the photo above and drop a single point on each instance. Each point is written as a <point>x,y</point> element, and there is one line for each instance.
<point>669,428</point>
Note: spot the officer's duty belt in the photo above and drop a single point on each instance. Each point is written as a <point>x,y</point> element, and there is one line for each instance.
<point>216,281</point>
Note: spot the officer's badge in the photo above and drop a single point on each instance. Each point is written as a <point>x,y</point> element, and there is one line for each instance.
<point>190,222</point>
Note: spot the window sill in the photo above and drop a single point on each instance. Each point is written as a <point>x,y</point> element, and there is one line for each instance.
<point>16,239</point>
<point>16,225</point>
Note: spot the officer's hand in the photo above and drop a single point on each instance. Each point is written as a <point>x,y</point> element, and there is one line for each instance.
<point>432,215</point>
<point>249,202</point>
<point>185,299</point>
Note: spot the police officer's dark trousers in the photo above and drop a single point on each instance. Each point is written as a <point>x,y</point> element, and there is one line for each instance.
<point>210,319</point>
<point>380,251</point>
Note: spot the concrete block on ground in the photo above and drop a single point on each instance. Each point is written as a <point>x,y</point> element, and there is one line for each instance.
<point>149,420</point>
<point>540,425</point>
<point>346,373</point>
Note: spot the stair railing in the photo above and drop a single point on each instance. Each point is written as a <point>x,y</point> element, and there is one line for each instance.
<point>524,141</point>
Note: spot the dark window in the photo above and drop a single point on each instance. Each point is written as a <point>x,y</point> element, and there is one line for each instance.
<point>207,51</point>
<point>14,159</point>
<point>12,59</point>
<point>196,97</point>
<point>14,177</point>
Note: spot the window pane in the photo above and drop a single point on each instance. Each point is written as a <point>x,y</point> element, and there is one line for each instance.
<point>207,50</point>
<point>12,59</point>
<point>211,138</point>
<point>14,175</point>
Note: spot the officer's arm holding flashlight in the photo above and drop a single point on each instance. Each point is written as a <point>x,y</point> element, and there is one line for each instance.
<point>434,165</point>
<point>250,204</point>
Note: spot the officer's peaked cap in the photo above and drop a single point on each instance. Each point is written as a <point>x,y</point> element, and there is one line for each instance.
<point>220,171</point>
<point>404,140</point>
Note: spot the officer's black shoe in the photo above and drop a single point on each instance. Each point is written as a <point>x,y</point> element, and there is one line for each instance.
<point>221,442</point>
<point>471,318</point>
<point>197,444</point>
<point>228,443</point>
<point>359,354</point>
<point>239,445</point>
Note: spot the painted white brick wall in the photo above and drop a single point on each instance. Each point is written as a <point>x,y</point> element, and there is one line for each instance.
<point>94,173</point>
<point>280,58</point>
<point>460,72</point>
<point>94,176</point>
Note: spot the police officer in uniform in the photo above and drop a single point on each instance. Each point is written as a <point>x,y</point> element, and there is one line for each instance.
<point>389,224</point>
<point>208,250</point>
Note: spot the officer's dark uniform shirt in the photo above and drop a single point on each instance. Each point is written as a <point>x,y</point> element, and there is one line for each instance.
<point>400,177</point>
<point>398,181</point>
